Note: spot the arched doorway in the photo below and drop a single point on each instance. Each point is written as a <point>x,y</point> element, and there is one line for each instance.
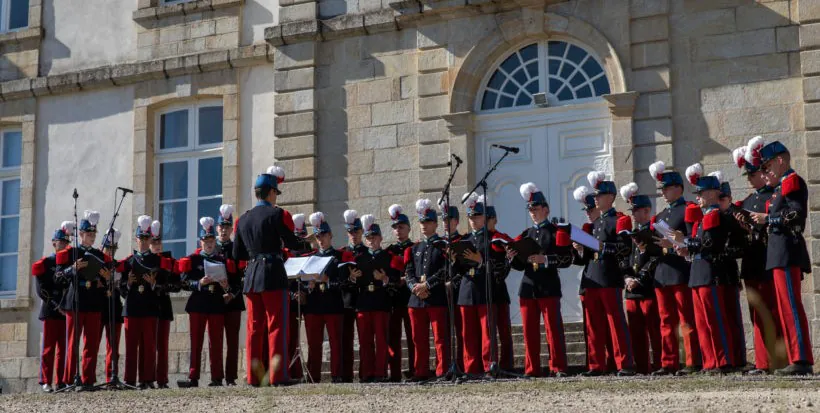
<point>559,142</point>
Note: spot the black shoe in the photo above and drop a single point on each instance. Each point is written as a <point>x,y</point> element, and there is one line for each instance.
<point>688,370</point>
<point>215,383</point>
<point>796,369</point>
<point>625,373</point>
<point>230,383</point>
<point>559,374</point>
<point>592,373</point>
<point>663,371</point>
<point>187,384</point>
<point>61,386</point>
<point>163,386</point>
<point>85,387</point>
<point>758,372</point>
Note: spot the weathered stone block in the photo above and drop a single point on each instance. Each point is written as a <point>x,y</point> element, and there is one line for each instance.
<point>296,124</point>
<point>652,131</point>
<point>759,15</point>
<point>651,80</point>
<point>30,368</point>
<point>809,10</point>
<point>812,143</point>
<point>431,60</point>
<point>649,29</point>
<point>380,21</point>
<point>435,155</point>
<point>433,179</point>
<point>431,36</point>
<point>300,192</point>
<point>295,147</point>
<point>409,86</point>
<point>434,107</point>
<point>299,169</point>
<point>375,91</point>
<point>645,155</point>
<point>173,34</point>
<point>749,122</point>
<point>396,159</point>
<point>431,84</point>
<point>743,69</point>
<point>227,25</point>
<point>432,131</point>
<point>248,55</point>
<point>214,60</point>
<point>294,102</point>
<point>788,39</point>
<point>650,54</point>
<point>15,89</point>
<point>93,78</point>
<point>388,183</point>
<point>222,41</point>
<point>653,105</point>
<point>390,113</point>
<point>812,115</point>
<point>811,88</point>
<point>379,137</point>
<point>810,62</point>
<point>809,35</point>
<point>294,56</point>
<point>298,12</point>
<point>203,28</point>
<point>750,95</point>
<point>284,81</point>
<point>647,8</point>
<point>342,26</point>
<point>733,45</point>
<point>358,117</point>
<point>359,163</point>
<point>10,368</point>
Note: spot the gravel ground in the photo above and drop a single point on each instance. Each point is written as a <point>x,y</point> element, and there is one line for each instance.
<point>728,394</point>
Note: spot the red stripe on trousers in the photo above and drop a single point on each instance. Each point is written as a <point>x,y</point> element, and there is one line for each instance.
<point>604,313</point>
<point>315,325</point>
<point>506,357</point>
<point>53,351</point>
<point>645,331</point>
<point>793,315</point>
<point>676,310</point>
<point>476,334</point>
<point>214,323</point>
<point>399,316</point>
<point>89,325</point>
<point>140,349</point>
<point>421,321</point>
<point>112,352</point>
<point>233,323</point>
<point>372,328</point>
<point>712,327</point>
<point>163,335</point>
<point>734,320</point>
<point>532,310</point>
<point>267,319</point>
<point>294,365</point>
<point>765,320</point>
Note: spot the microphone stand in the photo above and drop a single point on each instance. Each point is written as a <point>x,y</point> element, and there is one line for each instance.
<point>114,382</point>
<point>495,370</point>
<point>77,384</point>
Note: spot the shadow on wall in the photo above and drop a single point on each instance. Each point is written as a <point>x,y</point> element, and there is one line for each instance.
<point>255,14</point>
<point>57,49</point>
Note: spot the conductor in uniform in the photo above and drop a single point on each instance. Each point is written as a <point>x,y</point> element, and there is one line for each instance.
<point>260,233</point>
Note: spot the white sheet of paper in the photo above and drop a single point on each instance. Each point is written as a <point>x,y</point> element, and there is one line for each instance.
<point>663,228</point>
<point>306,268</point>
<point>215,270</point>
<point>582,237</point>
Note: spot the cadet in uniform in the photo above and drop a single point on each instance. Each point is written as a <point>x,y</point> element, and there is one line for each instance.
<point>602,284</point>
<point>639,276</point>
<point>786,254</point>
<point>540,291</point>
<point>236,302</point>
<point>671,281</point>
<point>142,278</point>
<point>90,295</point>
<point>501,296</point>
<point>758,280</point>
<point>166,311</point>
<point>450,218</point>
<point>53,351</point>
<point>426,271</point>
<point>400,296</point>
<point>704,246</point>
<point>112,338</point>
<point>260,233</point>
<point>298,299</point>
<point>355,247</point>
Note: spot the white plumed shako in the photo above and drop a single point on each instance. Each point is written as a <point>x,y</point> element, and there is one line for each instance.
<point>395,210</point>
<point>657,169</point>
<point>718,175</point>
<point>423,205</point>
<point>628,191</point>
<point>350,216</point>
<point>527,190</point>
<point>278,172</point>
<point>316,219</point>
<point>595,178</point>
<point>581,193</point>
<point>226,211</point>
<point>367,221</point>
<point>298,221</point>
<point>694,172</point>
<point>206,222</point>
<point>67,227</point>
<point>156,226</point>
<point>93,217</point>
<point>753,150</point>
<point>144,222</point>
<point>739,156</point>
<point>469,199</point>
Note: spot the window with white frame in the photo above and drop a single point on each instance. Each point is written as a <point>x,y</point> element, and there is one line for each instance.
<point>167,2</point>
<point>188,172</point>
<point>11,147</point>
<point>13,15</point>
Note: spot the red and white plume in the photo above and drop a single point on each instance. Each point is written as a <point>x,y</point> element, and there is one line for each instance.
<point>226,211</point>
<point>367,221</point>
<point>115,236</point>
<point>156,227</point>
<point>718,175</point>
<point>278,172</point>
<point>395,210</point>
<point>469,200</point>
<point>694,172</point>
<point>350,216</point>
<point>595,178</point>
<point>144,222</point>
<point>628,191</point>
<point>316,219</point>
<point>753,150</point>
<point>482,199</point>
<point>423,205</point>
<point>442,205</point>
<point>657,169</point>
<point>527,190</point>
<point>67,227</point>
<point>299,221</point>
<point>206,222</point>
<point>92,216</point>
<point>581,193</point>
<point>739,156</point>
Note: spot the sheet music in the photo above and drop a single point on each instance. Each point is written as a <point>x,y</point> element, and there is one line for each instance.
<point>215,270</point>
<point>582,237</point>
<point>663,228</point>
<point>306,268</point>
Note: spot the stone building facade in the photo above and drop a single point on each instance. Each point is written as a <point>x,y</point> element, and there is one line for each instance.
<point>363,102</point>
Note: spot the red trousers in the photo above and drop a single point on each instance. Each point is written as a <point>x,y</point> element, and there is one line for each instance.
<point>294,364</point>
<point>348,333</point>
<point>458,326</point>
<point>506,358</point>
<point>112,349</point>
<point>398,317</point>
<point>268,322</point>
<point>233,320</point>
<point>421,319</point>
<point>675,309</point>
<point>532,310</point>
<point>603,307</point>
<point>89,326</point>
<point>476,334</point>
<point>315,325</point>
<point>140,349</point>
<point>714,335</point>
<point>765,320</point>
<point>372,327</point>
<point>644,330</point>
<point>734,323</point>
<point>163,333</point>
<point>215,323</point>
<point>52,350</point>
<point>793,320</point>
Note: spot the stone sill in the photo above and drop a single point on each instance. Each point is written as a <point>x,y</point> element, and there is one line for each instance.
<point>23,35</point>
<point>161,12</point>
<point>129,73</point>
<point>13,304</point>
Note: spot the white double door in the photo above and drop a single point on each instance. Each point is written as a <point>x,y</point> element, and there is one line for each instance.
<point>557,150</point>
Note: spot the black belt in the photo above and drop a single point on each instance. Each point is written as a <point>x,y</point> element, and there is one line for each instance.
<point>266,256</point>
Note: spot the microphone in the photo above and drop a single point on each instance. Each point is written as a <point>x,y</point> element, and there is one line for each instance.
<point>458,160</point>
<point>125,190</point>
<point>75,195</point>
<point>512,149</point>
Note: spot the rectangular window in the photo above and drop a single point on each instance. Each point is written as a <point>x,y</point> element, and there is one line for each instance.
<point>167,2</point>
<point>11,149</point>
<point>189,172</point>
<point>13,15</point>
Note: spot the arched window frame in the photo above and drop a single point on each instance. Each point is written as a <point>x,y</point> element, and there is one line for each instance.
<point>543,59</point>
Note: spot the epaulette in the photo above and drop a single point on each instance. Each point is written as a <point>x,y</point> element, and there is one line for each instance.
<point>711,220</point>
<point>790,184</point>
<point>38,268</point>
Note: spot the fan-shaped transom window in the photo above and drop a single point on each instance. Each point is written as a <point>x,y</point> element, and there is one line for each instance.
<point>565,71</point>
